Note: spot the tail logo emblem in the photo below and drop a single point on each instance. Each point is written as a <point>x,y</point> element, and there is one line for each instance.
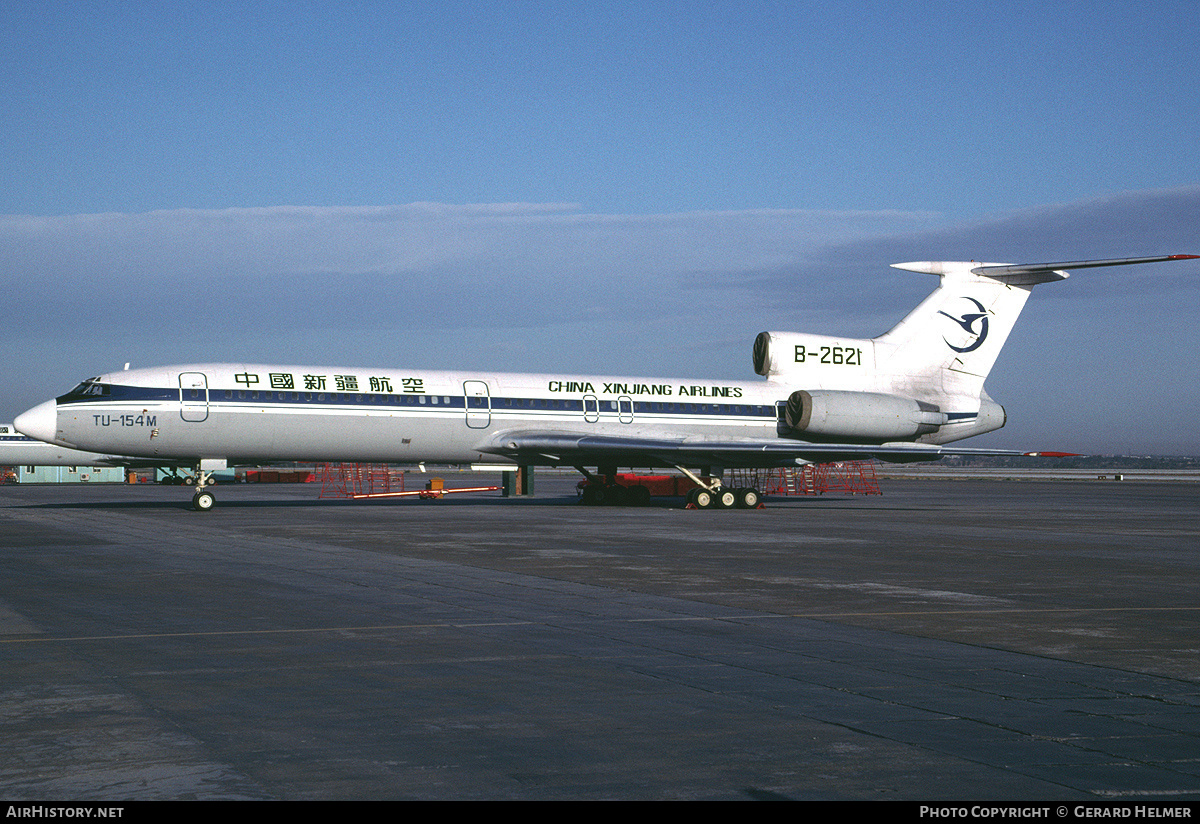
<point>968,322</point>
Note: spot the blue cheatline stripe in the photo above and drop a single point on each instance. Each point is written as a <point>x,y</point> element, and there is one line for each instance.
<point>432,402</point>
<point>426,401</point>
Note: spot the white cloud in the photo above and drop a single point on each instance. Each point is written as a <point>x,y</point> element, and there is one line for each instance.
<point>423,265</point>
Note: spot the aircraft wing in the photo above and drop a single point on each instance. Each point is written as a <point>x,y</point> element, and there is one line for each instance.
<point>573,448</point>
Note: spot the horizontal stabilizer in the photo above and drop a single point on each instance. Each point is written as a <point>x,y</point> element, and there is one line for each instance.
<point>1025,274</point>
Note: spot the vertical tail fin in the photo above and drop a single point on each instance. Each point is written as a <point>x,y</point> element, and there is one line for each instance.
<point>949,343</point>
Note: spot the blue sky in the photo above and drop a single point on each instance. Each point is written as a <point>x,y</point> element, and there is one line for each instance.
<point>628,188</point>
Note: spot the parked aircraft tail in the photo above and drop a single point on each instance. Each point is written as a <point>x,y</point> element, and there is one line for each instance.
<point>924,377</point>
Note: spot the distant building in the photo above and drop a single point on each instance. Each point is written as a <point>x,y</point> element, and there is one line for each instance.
<point>70,474</point>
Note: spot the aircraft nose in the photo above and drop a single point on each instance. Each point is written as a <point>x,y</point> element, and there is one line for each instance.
<point>41,422</point>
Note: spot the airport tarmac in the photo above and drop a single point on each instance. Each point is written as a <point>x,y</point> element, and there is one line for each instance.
<point>969,640</point>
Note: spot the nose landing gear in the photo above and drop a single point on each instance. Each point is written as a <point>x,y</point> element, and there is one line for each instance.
<point>204,500</point>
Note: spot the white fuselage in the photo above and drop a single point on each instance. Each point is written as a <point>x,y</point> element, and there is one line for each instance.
<point>252,413</point>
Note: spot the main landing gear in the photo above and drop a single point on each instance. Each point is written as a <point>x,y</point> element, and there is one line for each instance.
<point>712,494</point>
<point>603,490</point>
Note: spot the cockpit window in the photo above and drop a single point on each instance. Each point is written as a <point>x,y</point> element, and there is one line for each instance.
<point>91,388</point>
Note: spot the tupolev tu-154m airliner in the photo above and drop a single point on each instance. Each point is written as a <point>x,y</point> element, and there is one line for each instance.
<point>899,397</point>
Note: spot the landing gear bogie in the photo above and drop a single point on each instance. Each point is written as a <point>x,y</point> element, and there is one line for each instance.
<point>724,498</point>
<point>709,493</point>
